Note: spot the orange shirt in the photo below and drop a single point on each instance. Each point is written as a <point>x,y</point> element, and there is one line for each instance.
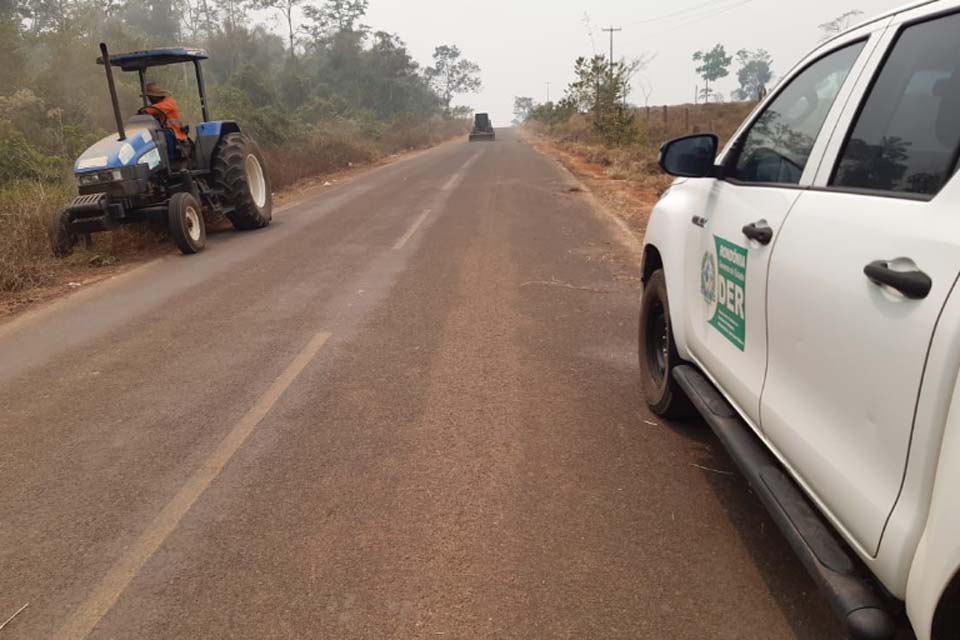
<point>168,113</point>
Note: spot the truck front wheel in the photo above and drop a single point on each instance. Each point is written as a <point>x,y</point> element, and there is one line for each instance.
<point>658,353</point>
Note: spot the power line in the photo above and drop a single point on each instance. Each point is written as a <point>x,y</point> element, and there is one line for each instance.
<point>695,18</point>
<point>680,13</point>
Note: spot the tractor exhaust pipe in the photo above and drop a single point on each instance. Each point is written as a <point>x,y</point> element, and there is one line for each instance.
<point>113,90</point>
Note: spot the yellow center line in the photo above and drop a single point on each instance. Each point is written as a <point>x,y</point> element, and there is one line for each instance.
<point>108,591</point>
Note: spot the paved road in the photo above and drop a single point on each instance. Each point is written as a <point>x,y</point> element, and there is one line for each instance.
<point>408,409</point>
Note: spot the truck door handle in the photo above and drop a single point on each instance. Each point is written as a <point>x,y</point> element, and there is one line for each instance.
<point>700,221</point>
<point>912,284</point>
<point>759,231</point>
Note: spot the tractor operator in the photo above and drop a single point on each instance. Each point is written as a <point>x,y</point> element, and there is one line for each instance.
<point>164,108</point>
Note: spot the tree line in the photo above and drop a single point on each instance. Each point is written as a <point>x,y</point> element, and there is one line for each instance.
<point>328,65</point>
<point>601,86</point>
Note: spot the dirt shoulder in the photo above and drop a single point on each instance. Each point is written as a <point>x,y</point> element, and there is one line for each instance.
<point>87,268</point>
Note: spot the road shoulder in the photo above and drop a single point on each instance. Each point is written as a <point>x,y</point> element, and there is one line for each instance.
<point>627,203</point>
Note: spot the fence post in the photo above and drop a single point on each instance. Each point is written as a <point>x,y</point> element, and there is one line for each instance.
<point>664,114</point>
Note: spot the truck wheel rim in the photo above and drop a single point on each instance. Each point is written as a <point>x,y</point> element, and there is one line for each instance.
<point>258,186</point>
<point>657,343</point>
<point>193,224</point>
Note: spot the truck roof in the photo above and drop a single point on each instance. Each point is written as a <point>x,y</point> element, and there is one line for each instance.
<point>881,16</point>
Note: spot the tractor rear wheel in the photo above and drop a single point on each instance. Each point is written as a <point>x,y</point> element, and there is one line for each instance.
<point>185,221</point>
<point>62,236</point>
<point>238,170</point>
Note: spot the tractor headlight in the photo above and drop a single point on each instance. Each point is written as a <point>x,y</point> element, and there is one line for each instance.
<point>99,177</point>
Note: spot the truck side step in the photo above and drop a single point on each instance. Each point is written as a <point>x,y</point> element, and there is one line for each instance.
<point>823,555</point>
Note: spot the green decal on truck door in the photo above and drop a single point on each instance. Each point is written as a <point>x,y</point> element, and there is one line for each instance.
<point>729,292</point>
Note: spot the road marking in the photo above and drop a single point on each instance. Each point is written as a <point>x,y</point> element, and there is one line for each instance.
<point>416,223</point>
<point>458,176</point>
<point>113,584</point>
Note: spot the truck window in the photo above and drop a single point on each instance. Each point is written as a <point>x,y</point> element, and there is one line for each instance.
<point>907,132</point>
<point>779,142</point>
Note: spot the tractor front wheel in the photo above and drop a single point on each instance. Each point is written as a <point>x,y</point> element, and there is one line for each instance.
<point>185,221</point>
<point>62,237</point>
<point>239,172</point>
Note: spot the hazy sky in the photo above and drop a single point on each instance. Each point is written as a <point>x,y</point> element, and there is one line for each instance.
<point>521,45</point>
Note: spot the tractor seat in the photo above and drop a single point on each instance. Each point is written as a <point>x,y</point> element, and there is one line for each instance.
<point>176,150</point>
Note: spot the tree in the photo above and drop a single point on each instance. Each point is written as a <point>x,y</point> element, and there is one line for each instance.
<point>714,64</point>
<point>522,106</point>
<point>753,75</point>
<point>49,15</point>
<point>336,16</point>
<point>232,13</point>
<point>286,8</point>
<point>158,18</point>
<point>451,75</point>
<point>838,25</point>
<point>199,18</point>
<point>602,88</point>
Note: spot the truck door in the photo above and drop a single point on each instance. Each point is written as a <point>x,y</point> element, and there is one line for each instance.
<point>727,266</point>
<point>862,269</point>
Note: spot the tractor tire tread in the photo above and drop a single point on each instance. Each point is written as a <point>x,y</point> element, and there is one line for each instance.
<point>230,176</point>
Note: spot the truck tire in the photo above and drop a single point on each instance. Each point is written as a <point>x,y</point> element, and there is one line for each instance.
<point>658,353</point>
<point>238,172</point>
<point>185,222</point>
<point>62,237</point>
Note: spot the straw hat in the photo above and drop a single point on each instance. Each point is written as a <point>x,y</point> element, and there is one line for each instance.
<point>153,90</point>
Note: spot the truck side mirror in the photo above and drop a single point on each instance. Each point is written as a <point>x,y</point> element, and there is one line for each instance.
<point>690,156</point>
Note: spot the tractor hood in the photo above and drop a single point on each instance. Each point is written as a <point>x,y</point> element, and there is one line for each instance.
<point>111,153</point>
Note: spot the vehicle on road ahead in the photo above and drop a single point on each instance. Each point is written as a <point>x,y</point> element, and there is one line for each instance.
<point>143,172</point>
<point>799,294</point>
<point>482,128</point>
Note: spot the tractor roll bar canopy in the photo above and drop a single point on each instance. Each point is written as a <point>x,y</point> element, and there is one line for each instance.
<point>137,60</point>
<point>140,61</point>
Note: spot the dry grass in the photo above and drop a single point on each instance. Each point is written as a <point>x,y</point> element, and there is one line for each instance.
<point>25,260</point>
<point>24,251</point>
<point>637,162</point>
<point>341,144</point>
<point>627,178</point>
<point>26,206</point>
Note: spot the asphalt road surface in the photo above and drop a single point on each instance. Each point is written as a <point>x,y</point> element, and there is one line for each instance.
<point>407,409</point>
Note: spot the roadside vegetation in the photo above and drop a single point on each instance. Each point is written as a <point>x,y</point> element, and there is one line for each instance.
<point>326,94</point>
<point>594,123</point>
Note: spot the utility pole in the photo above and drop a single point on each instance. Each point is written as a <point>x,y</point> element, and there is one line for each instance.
<point>611,30</point>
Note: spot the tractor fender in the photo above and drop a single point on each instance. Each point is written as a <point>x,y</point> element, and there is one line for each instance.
<point>208,136</point>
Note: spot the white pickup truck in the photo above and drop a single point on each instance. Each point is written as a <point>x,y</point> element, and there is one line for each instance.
<point>799,293</point>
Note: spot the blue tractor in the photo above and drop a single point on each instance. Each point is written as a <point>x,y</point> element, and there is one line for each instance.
<point>143,172</point>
